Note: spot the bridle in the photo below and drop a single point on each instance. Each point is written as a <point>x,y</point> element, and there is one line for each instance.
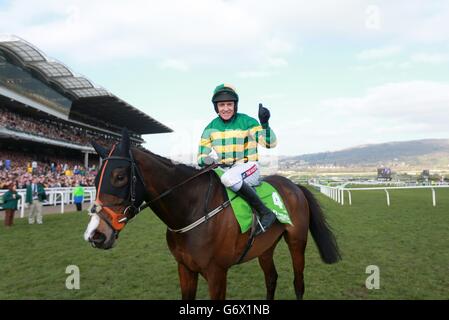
<point>114,219</point>
<point>117,221</point>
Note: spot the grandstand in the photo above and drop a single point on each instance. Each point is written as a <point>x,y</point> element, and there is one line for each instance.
<point>49,115</point>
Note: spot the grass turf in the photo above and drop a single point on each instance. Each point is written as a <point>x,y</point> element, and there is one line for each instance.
<point>408,241</point>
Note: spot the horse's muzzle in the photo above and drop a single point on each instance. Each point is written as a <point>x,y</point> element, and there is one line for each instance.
<point>100,241</point>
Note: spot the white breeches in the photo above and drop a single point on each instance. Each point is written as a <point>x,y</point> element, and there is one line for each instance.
<point>233,177</point>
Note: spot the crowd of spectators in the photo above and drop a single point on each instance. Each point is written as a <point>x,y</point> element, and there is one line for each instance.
<point>57,171</point>
<point>54,171</point>
<point>52,129</point>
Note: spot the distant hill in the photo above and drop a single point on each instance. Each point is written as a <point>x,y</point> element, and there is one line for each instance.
<point>434,152</point>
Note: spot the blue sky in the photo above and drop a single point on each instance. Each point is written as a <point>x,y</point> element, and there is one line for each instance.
<point>334,74</point>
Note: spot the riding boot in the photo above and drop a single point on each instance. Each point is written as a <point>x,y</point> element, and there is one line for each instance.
<point>267,217</point>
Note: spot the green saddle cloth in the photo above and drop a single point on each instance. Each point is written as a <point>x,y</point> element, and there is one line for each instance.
<point>269,196</point>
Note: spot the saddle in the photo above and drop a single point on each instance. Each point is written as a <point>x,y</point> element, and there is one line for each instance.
<point>245,215</point>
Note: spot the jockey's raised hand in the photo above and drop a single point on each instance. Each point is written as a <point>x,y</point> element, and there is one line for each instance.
<point>264,116</point>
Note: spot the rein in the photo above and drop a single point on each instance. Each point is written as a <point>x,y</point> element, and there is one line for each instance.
<point>118,220</point>
<point>211,167</point>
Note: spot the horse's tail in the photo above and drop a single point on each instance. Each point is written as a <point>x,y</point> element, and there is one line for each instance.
<point>320,230</point>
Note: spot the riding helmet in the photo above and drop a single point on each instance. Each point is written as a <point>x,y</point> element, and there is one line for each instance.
<point>225,92</point>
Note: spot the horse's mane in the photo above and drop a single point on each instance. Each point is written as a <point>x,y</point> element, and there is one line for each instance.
<point>185,168</point>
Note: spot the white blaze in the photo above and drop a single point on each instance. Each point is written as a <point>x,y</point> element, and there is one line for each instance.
<point>93,224</point>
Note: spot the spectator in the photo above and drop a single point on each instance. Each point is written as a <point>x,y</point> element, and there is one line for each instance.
<point>21,174</point>
<point>78,196</point>
<point>52,129</point>
<point>35,195</point>
<point>34,167</point>
<point>10,200</point>
<point>19,167</point>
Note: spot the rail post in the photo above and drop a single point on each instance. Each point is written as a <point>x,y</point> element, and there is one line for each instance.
<point>434,200</point>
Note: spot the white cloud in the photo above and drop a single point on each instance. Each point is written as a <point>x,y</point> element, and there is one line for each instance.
<point>261,39</point>
<point>421,21</point>
<point>278,46</point>
<point>417,104</point>
<point>175,64</point>
<point>277,62</point>
<point>390,112</point>
<point>203,31</point>
<point>254,74</point>
<point>384,58</point>
<point>379,53</point>
<point>431,58</point>
<point>376,66</point>
<point>383,65</point>
<point>208,30</point>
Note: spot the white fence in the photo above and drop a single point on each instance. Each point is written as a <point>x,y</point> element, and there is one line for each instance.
<point>56,196</point>
<point>338,193</point>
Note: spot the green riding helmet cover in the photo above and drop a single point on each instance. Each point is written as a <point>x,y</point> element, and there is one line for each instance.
<point>225,92</point>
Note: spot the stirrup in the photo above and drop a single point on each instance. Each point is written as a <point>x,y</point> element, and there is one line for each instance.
<point>259,226</point>
<point>261,229</point>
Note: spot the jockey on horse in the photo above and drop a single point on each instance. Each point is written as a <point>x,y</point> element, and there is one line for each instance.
<point>203,245</point>
<point>234,137</point>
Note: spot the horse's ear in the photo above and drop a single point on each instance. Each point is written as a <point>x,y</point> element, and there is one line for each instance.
<point>125,144</point>
<point>100,150</point>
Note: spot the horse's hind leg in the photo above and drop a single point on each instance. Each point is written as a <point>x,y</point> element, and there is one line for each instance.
<point>188,281</point>
<point>266,262</point>
<point>297,247</point>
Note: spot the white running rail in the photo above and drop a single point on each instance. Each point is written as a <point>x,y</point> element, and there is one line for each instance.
<point>337,193</point>
<point>56,196</point>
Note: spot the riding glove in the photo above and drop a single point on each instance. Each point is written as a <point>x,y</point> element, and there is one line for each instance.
<point>264,116</point>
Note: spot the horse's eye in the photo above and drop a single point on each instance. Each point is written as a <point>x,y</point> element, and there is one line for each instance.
<point>120,178</point>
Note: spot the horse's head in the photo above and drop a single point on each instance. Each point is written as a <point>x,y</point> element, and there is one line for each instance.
<point>120,192</point>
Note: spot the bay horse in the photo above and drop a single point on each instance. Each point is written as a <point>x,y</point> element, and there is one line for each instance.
<point>181,195</point>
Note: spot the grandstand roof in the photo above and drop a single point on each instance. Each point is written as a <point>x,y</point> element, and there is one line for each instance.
<point>112,109</point>
<point>87,99</point>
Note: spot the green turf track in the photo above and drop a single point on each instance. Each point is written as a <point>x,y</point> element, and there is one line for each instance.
<point>408,241</point>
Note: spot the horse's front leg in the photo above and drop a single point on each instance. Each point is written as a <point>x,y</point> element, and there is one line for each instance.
<point>188,281</point>
<point>216,281</point>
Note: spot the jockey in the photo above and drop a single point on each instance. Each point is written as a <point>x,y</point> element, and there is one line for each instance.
<point>234,137</point>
